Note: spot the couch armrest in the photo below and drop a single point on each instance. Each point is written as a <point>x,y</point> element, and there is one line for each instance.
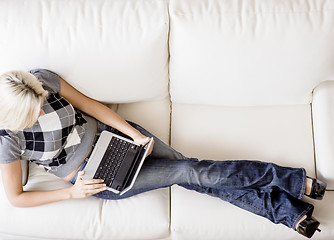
<point>25,171</point>
<point>323,127</point>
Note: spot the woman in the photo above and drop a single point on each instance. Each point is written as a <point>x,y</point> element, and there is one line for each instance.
<point>45,120</point>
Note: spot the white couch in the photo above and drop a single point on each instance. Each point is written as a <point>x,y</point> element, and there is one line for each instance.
<point>217,79</point>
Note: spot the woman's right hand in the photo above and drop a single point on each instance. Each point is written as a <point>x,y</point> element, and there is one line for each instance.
<point>84,188</point>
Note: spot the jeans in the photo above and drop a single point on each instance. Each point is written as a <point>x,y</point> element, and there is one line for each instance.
<point>265,189</point>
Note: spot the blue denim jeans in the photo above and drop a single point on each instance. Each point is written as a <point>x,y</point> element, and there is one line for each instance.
<point>265,189</point>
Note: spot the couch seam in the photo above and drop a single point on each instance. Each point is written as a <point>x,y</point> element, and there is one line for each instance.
<point>313,138</point>
<point>170,111</point>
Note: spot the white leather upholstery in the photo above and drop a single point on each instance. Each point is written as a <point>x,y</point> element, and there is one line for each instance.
<point>323,124</point>
<point>220,79</point>
<point>241,77</point>
<point>121,46</point>
<point>196,216</point>
<point>280,134</point>
<point>86,218</point>
<point>113,51</point>
<point>146,216</point>
<point>248,53</point>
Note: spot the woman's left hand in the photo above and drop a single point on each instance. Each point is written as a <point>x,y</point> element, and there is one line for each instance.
<point>142,140</point>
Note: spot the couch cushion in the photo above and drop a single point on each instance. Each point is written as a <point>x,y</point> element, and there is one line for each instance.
<point>197,216</point>
<point>246,53</point>
<point>141,217</point>
<point>146,216</point>
<point>280,134</point>
<point>154,116</point>
<point>114,51</point>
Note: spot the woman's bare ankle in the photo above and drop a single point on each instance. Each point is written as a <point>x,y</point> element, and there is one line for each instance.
<point>300,220</point>
<point>308,186</point>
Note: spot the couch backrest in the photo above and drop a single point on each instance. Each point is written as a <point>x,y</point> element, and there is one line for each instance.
<point>250,52</point>
<point>222,52</point>
<point>114,51</point>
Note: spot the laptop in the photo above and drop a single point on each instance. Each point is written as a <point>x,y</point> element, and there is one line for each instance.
<point>116,160</point>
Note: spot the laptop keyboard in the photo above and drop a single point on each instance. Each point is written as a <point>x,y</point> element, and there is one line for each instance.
<point>112,160</point>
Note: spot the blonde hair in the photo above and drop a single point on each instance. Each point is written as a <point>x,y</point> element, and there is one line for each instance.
<point>21,100</point>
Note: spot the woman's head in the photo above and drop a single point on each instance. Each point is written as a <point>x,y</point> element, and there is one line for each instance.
<point>22,96</point>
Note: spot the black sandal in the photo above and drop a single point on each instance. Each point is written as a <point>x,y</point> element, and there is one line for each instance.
<point>308,227</point>
<point>318,189</point>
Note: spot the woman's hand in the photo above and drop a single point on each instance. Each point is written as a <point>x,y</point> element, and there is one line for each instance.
<point>142,139</point>
<point>84,188</point>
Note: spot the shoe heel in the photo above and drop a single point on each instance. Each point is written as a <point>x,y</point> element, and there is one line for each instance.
<point>318,189</point>
<point>308,227</point>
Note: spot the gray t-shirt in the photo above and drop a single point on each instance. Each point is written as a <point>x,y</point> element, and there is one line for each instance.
<point>59,140</point>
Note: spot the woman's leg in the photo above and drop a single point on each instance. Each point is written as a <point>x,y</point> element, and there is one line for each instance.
<point>265,189</point>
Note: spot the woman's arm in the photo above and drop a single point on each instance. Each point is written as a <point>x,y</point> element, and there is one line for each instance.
<point>99,111</point>
<point>12,182</point>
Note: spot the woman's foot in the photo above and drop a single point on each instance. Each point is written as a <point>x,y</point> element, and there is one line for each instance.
<point>315,188</point>
<point>307,226</point>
